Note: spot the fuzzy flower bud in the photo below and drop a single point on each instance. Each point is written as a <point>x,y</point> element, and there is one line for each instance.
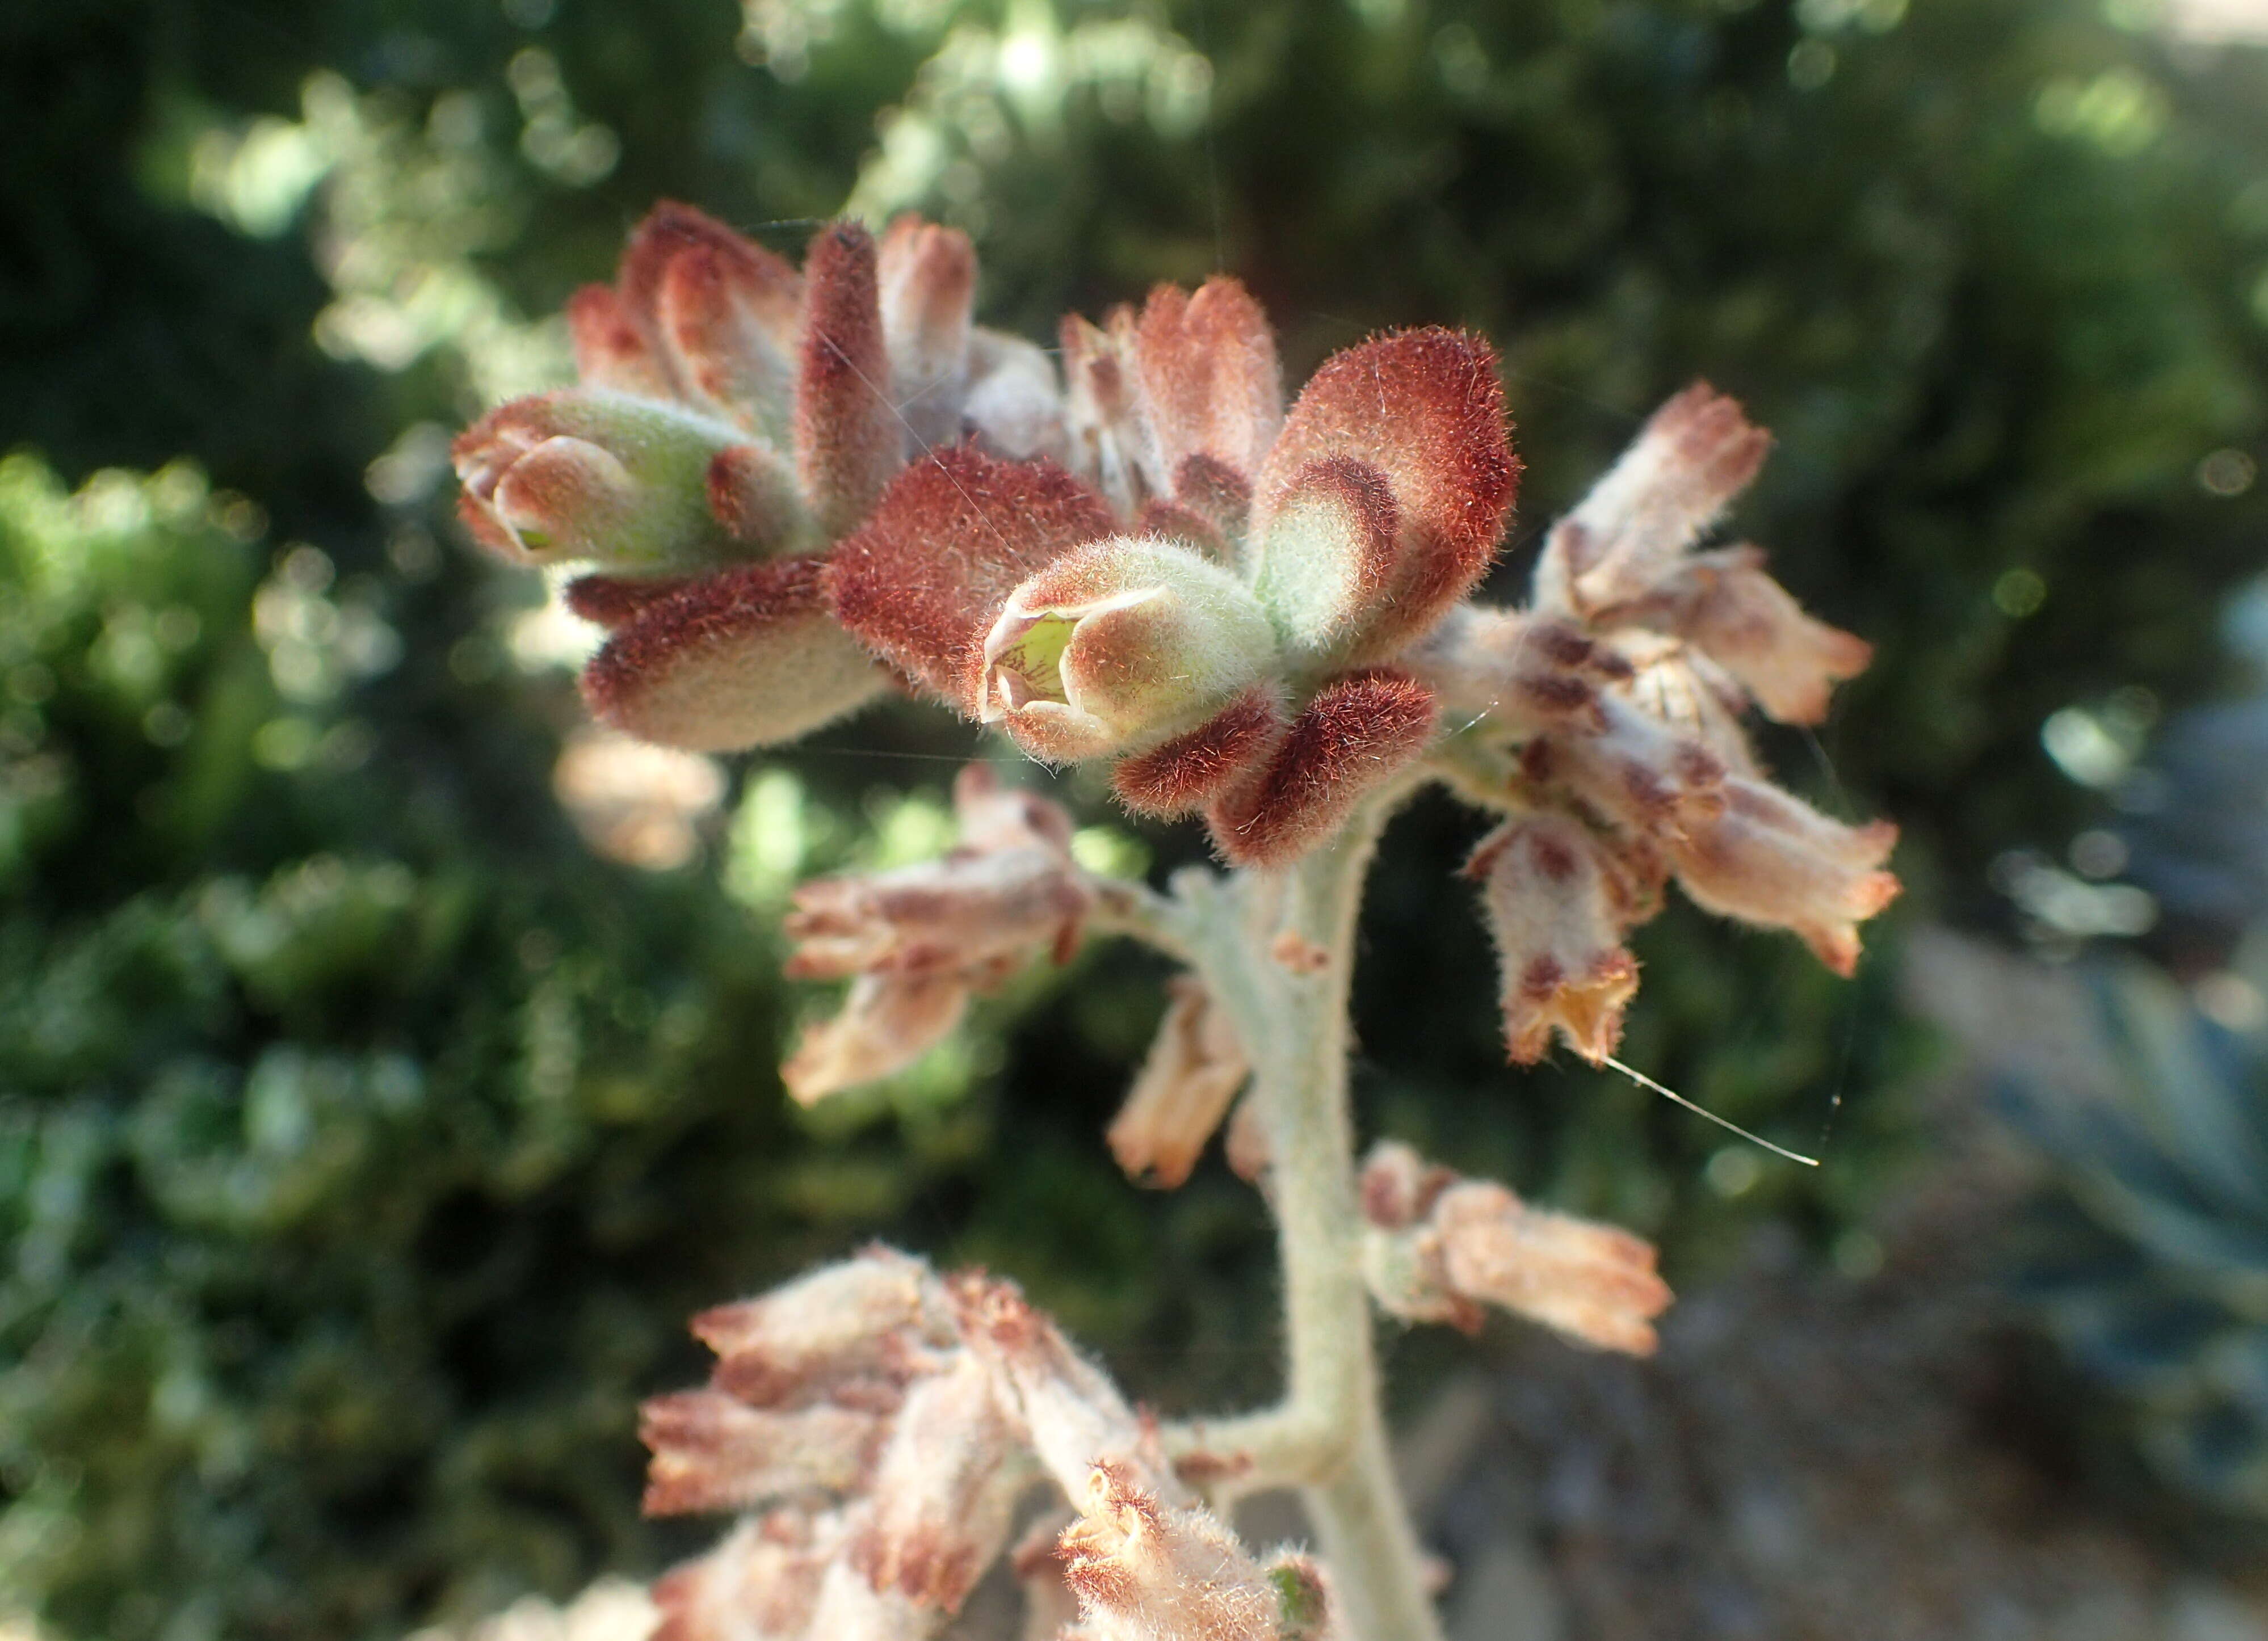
<point>1438,1247</point>
<point>591,474</point>
<point>1693,456</point>
<point>864,1317</point>
<point>713,1452</point>
<point>1587,1281</point>
<point>1193,1071</point>
<point>1558,900</point>
<point>1121,644</point>
<point>944,1489</point>
<point>967,914</point>
<point>1072,1416</point>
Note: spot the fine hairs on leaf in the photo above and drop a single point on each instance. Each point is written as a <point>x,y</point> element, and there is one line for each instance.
<point>796,491</point>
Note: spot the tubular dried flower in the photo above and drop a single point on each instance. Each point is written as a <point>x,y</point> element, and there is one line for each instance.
<point>1194,1068</point>
<point>1438,1249</point>
<point>1558,899</point>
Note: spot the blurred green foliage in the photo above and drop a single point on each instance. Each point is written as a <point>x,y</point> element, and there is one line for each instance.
<point>364,1138</point>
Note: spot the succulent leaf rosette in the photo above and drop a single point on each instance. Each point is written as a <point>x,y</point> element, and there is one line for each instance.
<point>792,490</point>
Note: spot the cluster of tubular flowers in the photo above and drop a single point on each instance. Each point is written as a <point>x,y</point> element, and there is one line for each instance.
<point>1605,721</point>
<point>886,1435</point>
<point>918,941</point>
<point>790,492</point>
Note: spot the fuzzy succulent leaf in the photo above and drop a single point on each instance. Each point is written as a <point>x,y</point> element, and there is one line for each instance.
<point>746,658</point>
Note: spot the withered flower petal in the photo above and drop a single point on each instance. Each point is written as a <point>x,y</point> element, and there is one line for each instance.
<point>1750,625</point>
<point>1691,458</point>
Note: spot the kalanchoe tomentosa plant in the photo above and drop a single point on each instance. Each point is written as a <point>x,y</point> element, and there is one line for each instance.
<point>791,493</point>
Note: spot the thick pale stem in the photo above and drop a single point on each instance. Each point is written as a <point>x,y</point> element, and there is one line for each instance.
<point>1356,1504</point>
<point>1278,952</point>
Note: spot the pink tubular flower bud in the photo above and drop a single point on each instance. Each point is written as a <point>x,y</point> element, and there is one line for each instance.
<point>1634,769</point>
<point>1590,1282</point>
<point>1437,1248</point>
<point>1771,858</point>
<point>591,474</point>
<point>1121,644</point>
<point>1532,673</point>
<point>1557,900</point>
<point>1194,1070</point>
<point>714,1451</point>
<point>1071,1414</point>
<point>867,1316</point>
<point>968,914</point>
<point>917,940</point>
